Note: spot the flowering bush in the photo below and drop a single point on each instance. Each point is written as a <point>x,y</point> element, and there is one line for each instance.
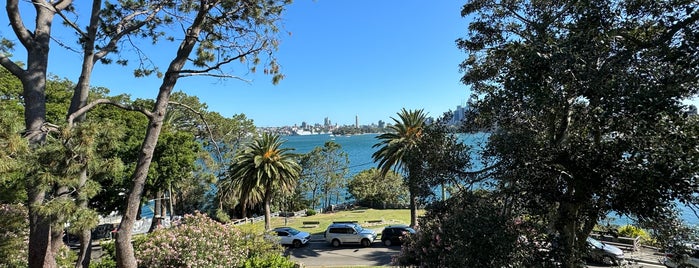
<point>202,242</point>
<point>14,235</point>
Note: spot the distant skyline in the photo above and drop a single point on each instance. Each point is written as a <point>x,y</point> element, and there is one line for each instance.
<point>341,59</point>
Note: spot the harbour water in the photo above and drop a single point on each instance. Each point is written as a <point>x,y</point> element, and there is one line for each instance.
<point>359,149</point>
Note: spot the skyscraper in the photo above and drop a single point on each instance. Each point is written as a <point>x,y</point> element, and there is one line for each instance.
<point>356,121</point>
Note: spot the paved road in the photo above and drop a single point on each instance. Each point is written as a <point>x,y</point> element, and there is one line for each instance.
<point>321,254</point>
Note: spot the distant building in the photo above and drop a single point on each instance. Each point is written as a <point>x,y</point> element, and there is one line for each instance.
<point>356,121</point>
<point>382,124</point>
<point>327,122</point>
<point>459,115</point>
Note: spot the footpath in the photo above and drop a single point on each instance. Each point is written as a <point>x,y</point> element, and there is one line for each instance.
<point>644,256</point>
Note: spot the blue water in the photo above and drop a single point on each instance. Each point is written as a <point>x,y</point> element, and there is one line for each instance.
<point>359,150</point>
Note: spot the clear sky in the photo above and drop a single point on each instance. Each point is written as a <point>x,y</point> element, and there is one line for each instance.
<point>343,58</point>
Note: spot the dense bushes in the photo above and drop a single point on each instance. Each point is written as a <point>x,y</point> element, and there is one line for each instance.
<point>202,242</point>
<point>14,235</point>
<point>468,230</point>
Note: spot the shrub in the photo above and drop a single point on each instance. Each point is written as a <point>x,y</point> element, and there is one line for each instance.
<point>310,212</point>
<point>469,230</point>
<point>202,242</point>
<point>14,235</point>
<point>633,231</point>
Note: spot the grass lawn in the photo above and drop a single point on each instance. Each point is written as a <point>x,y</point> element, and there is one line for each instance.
<point>387,216</point>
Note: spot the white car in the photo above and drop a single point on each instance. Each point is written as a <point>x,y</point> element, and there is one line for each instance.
<point>291,236</point>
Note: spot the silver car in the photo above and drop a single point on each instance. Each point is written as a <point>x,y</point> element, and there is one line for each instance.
<point>291,236</point>
<point>349,233</point>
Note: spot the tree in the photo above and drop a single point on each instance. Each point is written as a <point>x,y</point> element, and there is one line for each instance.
<point>265,166</point>
<point>371,188</point>
<point>398,150</point>
<point>324,170</point>
<point>584,105</point>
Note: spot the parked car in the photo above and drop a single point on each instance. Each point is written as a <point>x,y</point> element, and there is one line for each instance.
<point>393,234</point>
<point>690,257</point>
<point>291,236</point>
<point>604,253</point>
<point>349,233</point>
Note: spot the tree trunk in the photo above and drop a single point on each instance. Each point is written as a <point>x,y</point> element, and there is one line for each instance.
<point>413,210</point>
<point>34,87</point>
<point>567,227</point>
<point>85,253</point>
<point>268,214</point>
<point>39,233</point>
<point>124,249</point>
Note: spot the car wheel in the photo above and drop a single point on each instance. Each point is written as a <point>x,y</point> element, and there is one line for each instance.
<point>336,243</point>
<point>608,260</point>
<point>297,243</point>
<point>366,242</point>
<point>387,242</point>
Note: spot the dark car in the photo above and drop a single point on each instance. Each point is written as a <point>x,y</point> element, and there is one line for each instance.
<point>392,234</point>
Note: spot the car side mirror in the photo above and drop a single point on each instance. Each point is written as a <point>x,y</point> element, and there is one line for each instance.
<point>355,232</point>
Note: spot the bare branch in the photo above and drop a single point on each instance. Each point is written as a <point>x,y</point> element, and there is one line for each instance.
<point>224,62</point>
<point>218,76</point>
<point>206,125</point>
<point>71,24</point>
<point>91,105</point>
<point>122,30</point>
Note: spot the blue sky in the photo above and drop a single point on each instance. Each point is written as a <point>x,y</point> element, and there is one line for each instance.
<point>343,58</point>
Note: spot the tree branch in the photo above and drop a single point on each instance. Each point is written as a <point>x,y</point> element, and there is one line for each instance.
<point>122,30</point>
<point>13,14</point>
<point>224,62</point>
<point>206,125</point>
<point>12,67</point>
<point>91,105</point>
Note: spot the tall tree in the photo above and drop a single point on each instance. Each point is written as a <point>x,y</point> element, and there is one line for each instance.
<point>265,166</point>
<point>584,101</point>
<point>373,189</point>
<point>399,149</point>
<point>324,171</point>
<point>33,78</point>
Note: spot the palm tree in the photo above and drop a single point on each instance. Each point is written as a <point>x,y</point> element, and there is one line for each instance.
<point>266,167</point>
<point>398,150</point>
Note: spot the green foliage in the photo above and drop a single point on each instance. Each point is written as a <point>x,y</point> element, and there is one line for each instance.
<point>222,216</point>
<point>310,212</point>
<point>269,260</point>
<point>202,242</point>
<point>107,260</point>
<point>324,171</point>
<point>584,101</point>
<point>373,189</point>
<point>14,233</point>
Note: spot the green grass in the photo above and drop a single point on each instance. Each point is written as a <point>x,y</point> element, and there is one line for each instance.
<point>389,217</point>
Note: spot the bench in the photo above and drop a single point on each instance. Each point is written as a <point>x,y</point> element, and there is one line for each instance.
<point>348,222</point>
<point>310,224</point>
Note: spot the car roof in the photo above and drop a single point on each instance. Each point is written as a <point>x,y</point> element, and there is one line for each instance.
<point>397,226</point>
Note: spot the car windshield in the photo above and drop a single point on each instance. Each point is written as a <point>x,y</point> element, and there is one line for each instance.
<point>595,243</point>
<point>293,231</point>
<point>410,230</point>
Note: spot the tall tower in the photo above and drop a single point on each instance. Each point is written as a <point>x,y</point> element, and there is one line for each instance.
<point>356,121</point>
